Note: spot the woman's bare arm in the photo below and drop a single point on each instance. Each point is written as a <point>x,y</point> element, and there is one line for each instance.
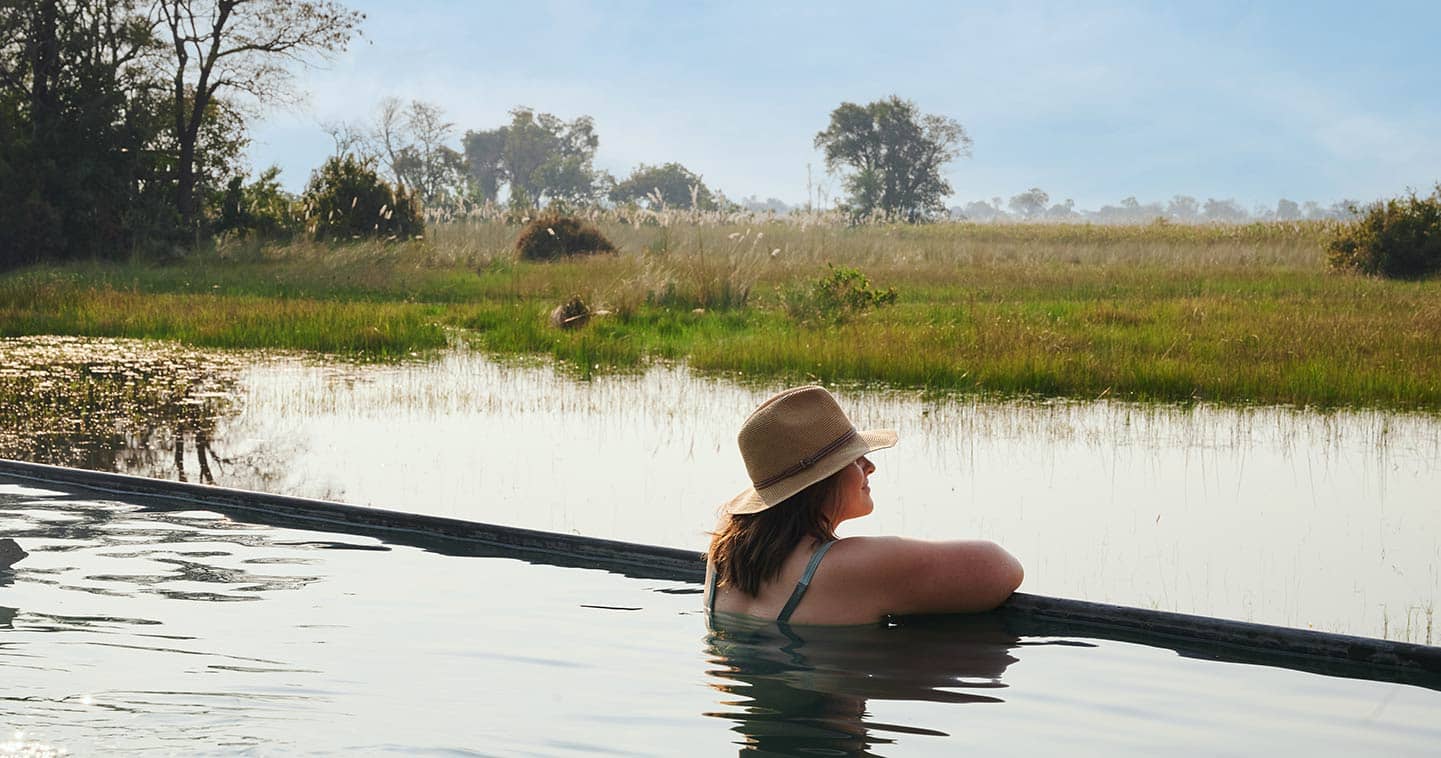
<point>897,576</point>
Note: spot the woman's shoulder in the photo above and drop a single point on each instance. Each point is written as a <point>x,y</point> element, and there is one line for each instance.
<point>900,575</point>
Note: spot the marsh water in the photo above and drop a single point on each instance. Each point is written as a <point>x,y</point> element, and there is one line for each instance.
<point>1327,520</point>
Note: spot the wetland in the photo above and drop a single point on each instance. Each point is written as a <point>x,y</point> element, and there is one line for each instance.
<point>1311,518</point>
<point>1195,418</point>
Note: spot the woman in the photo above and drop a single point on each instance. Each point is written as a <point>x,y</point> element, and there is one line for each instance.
<point>775,555</point>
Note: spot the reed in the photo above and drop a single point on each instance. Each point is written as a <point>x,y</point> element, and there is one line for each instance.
<point>1158,312</point>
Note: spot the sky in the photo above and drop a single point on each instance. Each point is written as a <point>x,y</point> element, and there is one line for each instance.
<point>1093,102</point>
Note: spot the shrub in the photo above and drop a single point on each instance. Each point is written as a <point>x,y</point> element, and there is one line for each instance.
<point>1398,238</point>
<point>261,209</point>
<point>345,199</point>
<point>551,236</point>
<point>835,297</point>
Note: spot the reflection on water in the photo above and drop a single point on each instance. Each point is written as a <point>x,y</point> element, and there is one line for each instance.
<point>799,690</point>
<point>1275,515</point>
<point>112,405</point>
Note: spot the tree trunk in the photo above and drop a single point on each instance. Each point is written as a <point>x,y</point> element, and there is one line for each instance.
<point>44,63</point>
<point>185,185</point>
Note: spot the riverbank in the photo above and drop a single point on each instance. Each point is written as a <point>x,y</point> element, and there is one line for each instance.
<point>1243,314</point>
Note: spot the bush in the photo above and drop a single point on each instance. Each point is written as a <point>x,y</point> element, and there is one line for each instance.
<point>1398,238</point>
<point>836,297</point>
<point>345,199</point>
<point>551,236</point>
<point>261,209</point>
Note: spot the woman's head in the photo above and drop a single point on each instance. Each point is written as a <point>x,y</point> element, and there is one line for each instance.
<point>749,548</point>
<point>808,471</point>
<point>795,439</point>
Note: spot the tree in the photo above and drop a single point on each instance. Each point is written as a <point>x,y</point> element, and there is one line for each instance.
<point>673,185</point>
<point>484,152</point>
<point>1030,203</point>
<point>1287,210</point>
<point>348,139</point>
<point>76,137</point>
<point>345,199</point>
<point>240,45</point>
<point>895,154</point>
<point>1183,208</point>
<point>424,162</point>
<point>1225,211</point>
<point>387,138</point>
<point>539,157</point>
<point>1063,211</point>
<point>980,210</point>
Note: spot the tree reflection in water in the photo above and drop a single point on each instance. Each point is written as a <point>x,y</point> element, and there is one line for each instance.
<point>114,405</point>
<point>805,689</point>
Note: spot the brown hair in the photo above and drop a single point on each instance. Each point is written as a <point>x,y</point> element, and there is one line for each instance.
<point>749,548</point>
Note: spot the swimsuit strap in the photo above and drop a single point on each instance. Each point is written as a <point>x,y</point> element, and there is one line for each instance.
<point>804,583</point>
<point>714,573</point>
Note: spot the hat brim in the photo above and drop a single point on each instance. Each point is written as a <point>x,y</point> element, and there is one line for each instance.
<point>755,501</point>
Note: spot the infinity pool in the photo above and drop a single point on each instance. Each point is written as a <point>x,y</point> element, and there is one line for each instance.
<point>134,629</point>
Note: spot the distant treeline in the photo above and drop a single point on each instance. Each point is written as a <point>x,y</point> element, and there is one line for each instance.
<point>1035,205</point>
<point>888,155</point>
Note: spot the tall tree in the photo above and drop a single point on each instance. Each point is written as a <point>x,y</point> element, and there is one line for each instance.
<point>74,132</point>
<point>895,155</point>
<point>240,45</point>
<point>426,164</point>
<point>484,154</point>
<point>1030,203</point>
<point>387,138</point>
<point>539,157</point>
<point>672,185</point>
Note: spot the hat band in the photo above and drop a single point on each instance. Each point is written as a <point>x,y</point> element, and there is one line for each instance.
<point>808,461</point>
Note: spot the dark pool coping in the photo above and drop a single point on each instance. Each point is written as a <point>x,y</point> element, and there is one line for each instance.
<point>1031,615</point>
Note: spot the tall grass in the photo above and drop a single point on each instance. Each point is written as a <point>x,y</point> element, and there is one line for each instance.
<point>1239,314</point>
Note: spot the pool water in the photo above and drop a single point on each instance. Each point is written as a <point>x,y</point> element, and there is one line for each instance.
<point>135,629</point>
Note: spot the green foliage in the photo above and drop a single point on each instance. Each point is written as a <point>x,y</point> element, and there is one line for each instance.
<point>671,185</point>
<point>896,154</point>
<point>539,157</point>
<point>836,297</point>
<point>552,236</point>
<point>1399,238</point>
<point>114,125</point>
<point>76,175</point>
<point>345,199</point>
<point>260,210</point>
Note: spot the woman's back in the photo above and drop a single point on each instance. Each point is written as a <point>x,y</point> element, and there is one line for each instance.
<point>862,580</point>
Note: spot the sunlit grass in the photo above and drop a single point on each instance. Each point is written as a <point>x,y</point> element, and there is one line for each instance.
<point>1164,312</point>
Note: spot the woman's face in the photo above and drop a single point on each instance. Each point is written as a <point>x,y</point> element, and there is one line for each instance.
<point>853,491</point>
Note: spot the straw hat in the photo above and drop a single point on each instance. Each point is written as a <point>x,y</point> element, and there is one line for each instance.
<point>794,440</point>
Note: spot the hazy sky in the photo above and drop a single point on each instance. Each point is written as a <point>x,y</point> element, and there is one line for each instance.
<point>1090,101</point>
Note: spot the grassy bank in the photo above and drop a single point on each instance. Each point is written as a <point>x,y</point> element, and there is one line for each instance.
<point>1235,314</point>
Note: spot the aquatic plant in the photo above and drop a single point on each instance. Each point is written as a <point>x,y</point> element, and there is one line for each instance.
<point>91,403</point>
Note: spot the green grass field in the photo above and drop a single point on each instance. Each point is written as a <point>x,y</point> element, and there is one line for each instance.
<point>1245,314</point>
